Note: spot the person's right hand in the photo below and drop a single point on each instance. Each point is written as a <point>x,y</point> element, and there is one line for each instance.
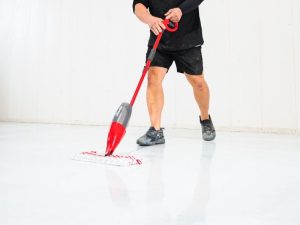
<point>156,25</point>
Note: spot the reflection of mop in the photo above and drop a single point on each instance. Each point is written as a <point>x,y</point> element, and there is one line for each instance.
<point>119,194</point>
<point>118,191</point>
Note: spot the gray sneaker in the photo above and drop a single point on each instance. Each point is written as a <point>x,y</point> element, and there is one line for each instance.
<point>208,129</point>
<point>152,137</point>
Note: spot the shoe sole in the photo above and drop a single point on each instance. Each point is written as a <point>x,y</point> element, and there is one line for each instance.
<point>209,139</point>
<point>159,142</point>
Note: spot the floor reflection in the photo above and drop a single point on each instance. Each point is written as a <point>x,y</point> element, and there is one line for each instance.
<point>120,198</point>
<point>152,209</point>
<point>156,212</point>
<point>196,211</point>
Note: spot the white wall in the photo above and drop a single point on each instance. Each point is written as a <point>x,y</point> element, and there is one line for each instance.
<point>75,61</point>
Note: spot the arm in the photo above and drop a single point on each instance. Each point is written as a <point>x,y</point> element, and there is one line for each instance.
<point>186,6</point>
<point>189,5</point>
<point>142,13</point>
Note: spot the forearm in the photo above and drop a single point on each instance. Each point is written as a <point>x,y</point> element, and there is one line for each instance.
<point>156,24</point>
<point>189,5</point>
<point>142,13</point>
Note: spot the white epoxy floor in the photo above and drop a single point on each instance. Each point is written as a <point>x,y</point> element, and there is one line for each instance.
<point>239,179</point>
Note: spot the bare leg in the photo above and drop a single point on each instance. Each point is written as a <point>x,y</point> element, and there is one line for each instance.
<point>201,93</point>
<point>155,95</point>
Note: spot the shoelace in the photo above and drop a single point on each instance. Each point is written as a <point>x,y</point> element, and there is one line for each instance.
<point>207,127</point>
<point>153,133</point>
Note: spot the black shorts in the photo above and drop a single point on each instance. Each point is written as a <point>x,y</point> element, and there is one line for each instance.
<point>187,61</point>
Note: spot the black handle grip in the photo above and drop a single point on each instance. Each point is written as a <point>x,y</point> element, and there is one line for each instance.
<point>171,25</point>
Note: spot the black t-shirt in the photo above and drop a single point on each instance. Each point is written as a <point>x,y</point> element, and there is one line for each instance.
<point>189,33</point>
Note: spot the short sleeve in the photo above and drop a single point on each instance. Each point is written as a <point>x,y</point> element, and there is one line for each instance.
<point>144,2</point>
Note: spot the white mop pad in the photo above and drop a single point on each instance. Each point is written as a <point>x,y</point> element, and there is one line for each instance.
<point>116,160</point>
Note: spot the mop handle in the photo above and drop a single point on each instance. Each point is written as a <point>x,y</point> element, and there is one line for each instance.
<point>171,27</point>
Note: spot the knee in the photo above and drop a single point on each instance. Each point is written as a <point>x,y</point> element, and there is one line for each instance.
<point>198,83</point>
<point>154,78</point>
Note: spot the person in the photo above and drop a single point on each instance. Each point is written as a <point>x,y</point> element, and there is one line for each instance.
<point>183,47</point>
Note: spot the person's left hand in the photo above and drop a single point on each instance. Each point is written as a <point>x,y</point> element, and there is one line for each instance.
<point>174,15</point>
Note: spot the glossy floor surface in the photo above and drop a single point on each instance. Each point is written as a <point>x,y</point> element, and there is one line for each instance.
<point>239,179</point>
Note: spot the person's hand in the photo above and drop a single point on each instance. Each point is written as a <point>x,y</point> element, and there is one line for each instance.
<point>174,15</point>
<point>156,25</point>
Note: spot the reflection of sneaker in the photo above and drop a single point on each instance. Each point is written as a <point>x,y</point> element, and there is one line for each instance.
<point>152,137</point>
<point>208,129</point>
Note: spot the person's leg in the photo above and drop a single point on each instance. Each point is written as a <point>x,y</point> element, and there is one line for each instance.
<point>155,103</point>
<point>201,93</point>
<point>190,63</point>
<point>155,95</point>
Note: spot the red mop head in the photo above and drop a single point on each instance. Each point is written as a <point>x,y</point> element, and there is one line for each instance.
<point>115,160</point>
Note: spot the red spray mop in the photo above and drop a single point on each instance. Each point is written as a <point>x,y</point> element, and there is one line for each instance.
<point>121,120</point>
<point>123,114</point>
